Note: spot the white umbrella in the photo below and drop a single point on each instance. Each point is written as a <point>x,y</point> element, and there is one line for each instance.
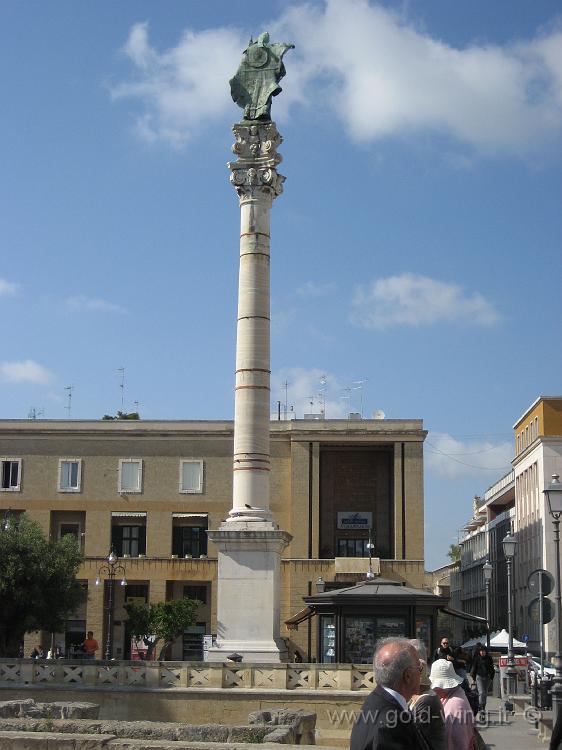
<point>501,640</point>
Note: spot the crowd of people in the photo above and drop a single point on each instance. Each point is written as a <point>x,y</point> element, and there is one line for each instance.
<point>421,709</point>
<point>86,650</point>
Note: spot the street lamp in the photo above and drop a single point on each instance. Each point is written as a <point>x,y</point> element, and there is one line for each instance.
<point>554,497</point>
<point>509,544</point>
<point>112,568</point>
<point>487,569</point>
<point>370,546</point>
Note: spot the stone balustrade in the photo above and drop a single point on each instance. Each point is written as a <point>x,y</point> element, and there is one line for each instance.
<point>173,675</point>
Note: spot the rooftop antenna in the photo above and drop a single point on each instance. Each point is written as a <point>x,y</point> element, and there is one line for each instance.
<point>286,386</point>
<point>323,389</point>
<point>35,413</point>
<point>136,405</point>
<point>68,406</point>
<point>358,386</point>
<point>121,373</point>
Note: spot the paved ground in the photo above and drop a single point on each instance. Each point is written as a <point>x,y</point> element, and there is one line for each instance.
<point>510,732</point>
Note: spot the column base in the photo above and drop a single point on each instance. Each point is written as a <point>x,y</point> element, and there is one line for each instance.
<point>248,596</point>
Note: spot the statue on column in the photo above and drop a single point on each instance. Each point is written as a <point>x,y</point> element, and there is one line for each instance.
<point>258,75</point>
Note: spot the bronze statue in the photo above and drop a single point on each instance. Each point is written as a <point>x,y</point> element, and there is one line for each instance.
<point>258,75</point>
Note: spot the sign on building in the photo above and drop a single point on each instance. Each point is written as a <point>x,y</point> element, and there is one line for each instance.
<point>351,520</point>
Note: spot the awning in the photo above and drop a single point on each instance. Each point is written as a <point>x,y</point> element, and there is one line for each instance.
<point>126,514</point>
<point>462,615</point>
<point>190,515</point>
<point>304,614</point>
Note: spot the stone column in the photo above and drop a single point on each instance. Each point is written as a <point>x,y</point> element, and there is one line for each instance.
<point>249,542</point>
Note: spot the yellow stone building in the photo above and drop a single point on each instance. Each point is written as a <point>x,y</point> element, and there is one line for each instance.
<point>151,489</point>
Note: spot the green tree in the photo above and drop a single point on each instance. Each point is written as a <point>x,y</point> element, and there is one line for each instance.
<point>38,586</point>
<point>454,552</point>
<point>161,622</point>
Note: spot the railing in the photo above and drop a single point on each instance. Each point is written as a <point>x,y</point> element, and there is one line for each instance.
<point>196,675</point>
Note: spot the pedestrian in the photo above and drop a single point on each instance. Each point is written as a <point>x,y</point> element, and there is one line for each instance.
<point>90,646</point>
<point>426,706</point>
<point>459,719</point>
<point>385,721</point>
<point>37,653</point>
<point>482,672</point>
<point>444,650</point>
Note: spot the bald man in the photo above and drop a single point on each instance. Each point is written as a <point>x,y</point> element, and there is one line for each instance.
<point>385,721</point>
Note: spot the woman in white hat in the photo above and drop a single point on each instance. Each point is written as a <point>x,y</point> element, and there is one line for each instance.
<point>459,719</point>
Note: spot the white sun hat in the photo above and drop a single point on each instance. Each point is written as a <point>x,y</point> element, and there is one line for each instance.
<point>443,675</point>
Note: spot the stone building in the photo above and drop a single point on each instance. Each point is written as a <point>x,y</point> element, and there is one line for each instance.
<point>152,490</point>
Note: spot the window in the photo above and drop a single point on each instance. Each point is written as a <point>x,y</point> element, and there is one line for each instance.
<point>189,540</point>
<point>69,474</point>
<point>353,548</point>
<point>130,475</point>
<point>129,539</point>
<point>70,528</point>
<point>195,592</point>
<point>11,475</point>
<point>191,476</point>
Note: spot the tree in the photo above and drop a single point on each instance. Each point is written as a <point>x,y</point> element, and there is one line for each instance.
<point>454,552</point>
<point>121,415</point>
<point>161,622</point>
<point>38,586</point>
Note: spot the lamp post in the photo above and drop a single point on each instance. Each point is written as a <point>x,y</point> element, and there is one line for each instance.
<point>487,569</point>
<point>554,497</point>
<point>509,544</point>
<point>111,569</point>
<point>370,546</point>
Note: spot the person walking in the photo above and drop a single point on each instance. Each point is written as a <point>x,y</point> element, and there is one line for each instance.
<point>444,650</point>
<point>482,672</point>
<point>459,719</point>
<point>385,722</point>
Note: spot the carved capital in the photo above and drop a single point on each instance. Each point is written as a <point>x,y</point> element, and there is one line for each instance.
<point>254,171</point>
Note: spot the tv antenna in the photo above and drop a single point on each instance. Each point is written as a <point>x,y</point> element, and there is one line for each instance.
<point>121,373</point>
<point>357,385</point>
<point>35,413</point>
<point>322,394</point>
<point>68,407</point>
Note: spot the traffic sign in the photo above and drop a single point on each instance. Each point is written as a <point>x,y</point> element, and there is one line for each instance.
<point>534,582</point>
<point>547,610</point>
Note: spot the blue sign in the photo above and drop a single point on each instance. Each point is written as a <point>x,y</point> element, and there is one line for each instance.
<point>525,637</point>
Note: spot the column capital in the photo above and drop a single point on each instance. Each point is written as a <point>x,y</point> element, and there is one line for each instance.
<point>254,173</point>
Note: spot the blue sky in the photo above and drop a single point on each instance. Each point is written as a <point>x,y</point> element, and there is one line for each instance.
<point>416,246</point>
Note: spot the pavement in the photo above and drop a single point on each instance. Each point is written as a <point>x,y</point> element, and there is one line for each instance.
<point>513,732</point>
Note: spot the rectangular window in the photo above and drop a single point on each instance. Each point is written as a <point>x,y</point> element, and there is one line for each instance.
<point>11,474</point>
<point>70,528</point>
<point>69,474</point>
<point>191,476</point>
<point>353,548</point>
<point>130,475</point>
<point>189,540</point>
<point>195,592</point>
<point>129,539</point>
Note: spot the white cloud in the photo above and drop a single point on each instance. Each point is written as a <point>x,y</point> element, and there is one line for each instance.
<point>7,288</point>
<point>81,303</point>
<point>451,458</point>
<point>373,67</point>
<point>417,300</point>
<point>310,390</point>
<point>27,371</point>
<point>182,88</point>
<point>313,289</point>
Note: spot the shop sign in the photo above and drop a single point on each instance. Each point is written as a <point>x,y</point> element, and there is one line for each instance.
<point>350,520</point>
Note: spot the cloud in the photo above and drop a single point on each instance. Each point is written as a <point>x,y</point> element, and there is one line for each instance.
<point>313,289</point>
<point>371,67</point>
<point>27,371</point>
<point>310,390</point>
<point>184,87</point>
<point>416,301</point>
<point>81,303</point>
<point>452,458</point>
<point>7,288</point>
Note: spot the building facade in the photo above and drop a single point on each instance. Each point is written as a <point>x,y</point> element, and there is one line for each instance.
<point>151,490</point>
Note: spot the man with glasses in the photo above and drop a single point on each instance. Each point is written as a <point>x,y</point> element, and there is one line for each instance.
<point>444,651</point>
<point>385,721</point>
